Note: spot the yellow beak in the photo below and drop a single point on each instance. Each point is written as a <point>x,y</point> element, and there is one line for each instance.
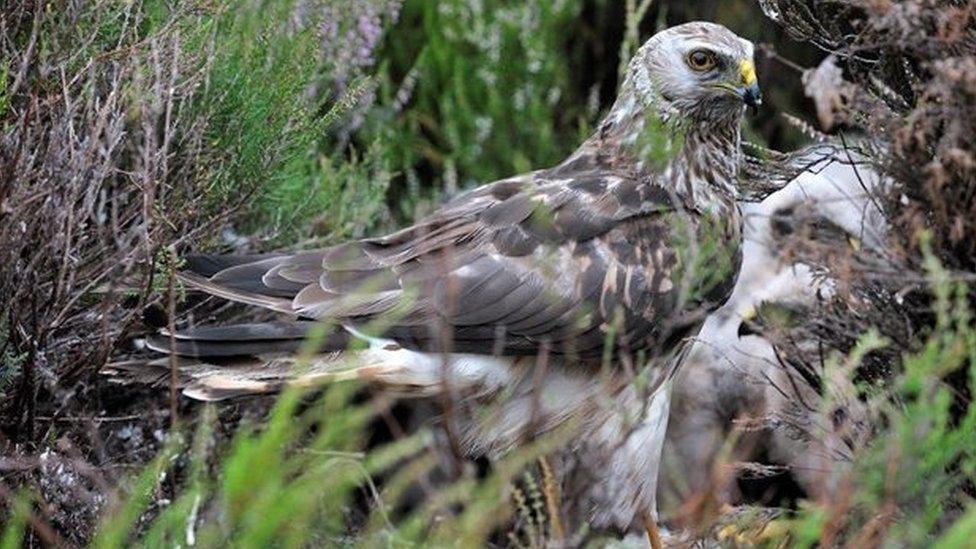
<point>749,314</point>
<point>747,69</point>
<point>749,84</point>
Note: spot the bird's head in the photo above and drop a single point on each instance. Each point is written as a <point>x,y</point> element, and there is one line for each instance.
<point>779,317</point>
<point>703,71</point>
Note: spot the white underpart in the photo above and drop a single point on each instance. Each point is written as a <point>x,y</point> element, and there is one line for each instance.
<point>834,192</point>
<point>725,374</point>
<point>429,373</point>
<point>636,463</point>
<point>619,433</point>
<point>839,191</point>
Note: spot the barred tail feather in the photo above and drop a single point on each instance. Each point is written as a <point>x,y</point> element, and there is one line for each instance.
<point>238,295</point>
<point>217,363</point>
<point>238,340</point>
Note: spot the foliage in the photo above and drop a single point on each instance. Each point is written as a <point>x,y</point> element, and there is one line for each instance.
<point>293,483</point>
<point>10,363</point>
<point>244,113</point>
<point>911,482</point>
<point>476,91</point>
<point>154,117</point>
<point>260,136</point>
<point>133,131</point>
<point>911,96</point>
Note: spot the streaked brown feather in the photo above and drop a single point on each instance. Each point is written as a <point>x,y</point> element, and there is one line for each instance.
<point>528,261</point>
<point>553,255</point>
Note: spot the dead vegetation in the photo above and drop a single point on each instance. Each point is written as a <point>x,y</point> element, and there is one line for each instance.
<point>904,76</point>
<point>119,151</point>
<point>97,150</point>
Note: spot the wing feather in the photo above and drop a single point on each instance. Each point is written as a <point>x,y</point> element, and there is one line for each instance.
<point>551,256</point>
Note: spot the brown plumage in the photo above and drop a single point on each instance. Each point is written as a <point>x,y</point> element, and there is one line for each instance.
<point>618,252</point>
<point>549,257</point>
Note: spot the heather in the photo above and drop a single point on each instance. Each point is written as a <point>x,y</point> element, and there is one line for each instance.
<point>132,133</point>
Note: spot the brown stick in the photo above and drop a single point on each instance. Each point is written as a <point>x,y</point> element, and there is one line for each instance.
<point>171,326</point>
<point>652,532</point>
<point>551,491</point>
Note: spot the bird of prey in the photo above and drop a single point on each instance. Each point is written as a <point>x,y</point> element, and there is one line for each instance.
<point>736,375</point>
<point>598,267</point>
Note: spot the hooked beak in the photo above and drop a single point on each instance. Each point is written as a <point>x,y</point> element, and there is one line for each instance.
<point>752,97</point>
<point>749,90</point>
<point>746,328</point>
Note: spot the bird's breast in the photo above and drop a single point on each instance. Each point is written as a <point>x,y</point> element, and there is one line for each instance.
<point>667,272</point>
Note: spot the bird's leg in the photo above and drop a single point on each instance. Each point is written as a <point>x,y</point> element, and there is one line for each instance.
<point>650,525</point>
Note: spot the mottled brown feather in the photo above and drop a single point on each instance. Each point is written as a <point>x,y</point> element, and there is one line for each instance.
<point>566,254</point>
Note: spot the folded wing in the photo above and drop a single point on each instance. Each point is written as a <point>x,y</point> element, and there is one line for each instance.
<point>553,258</point>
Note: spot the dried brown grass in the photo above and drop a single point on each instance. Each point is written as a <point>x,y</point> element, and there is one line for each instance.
<point>907,84</point>
<point>104,177</point>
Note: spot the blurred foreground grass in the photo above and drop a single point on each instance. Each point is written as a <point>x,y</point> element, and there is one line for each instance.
<point>296,479</point>
<point>298,123</point>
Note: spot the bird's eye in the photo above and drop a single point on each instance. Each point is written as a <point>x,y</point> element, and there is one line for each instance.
<point>701,60</point>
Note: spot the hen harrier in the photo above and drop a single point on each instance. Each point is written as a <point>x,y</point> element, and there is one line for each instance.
<point>601,264</point>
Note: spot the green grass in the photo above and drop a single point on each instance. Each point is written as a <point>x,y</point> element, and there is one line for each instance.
<point>4,76</point>
<point>291,483</point>
<point>12,535</point>
<point>488,90</point>
<point>262,128</point>
<point>910,485</point>
<point>465,93</point>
